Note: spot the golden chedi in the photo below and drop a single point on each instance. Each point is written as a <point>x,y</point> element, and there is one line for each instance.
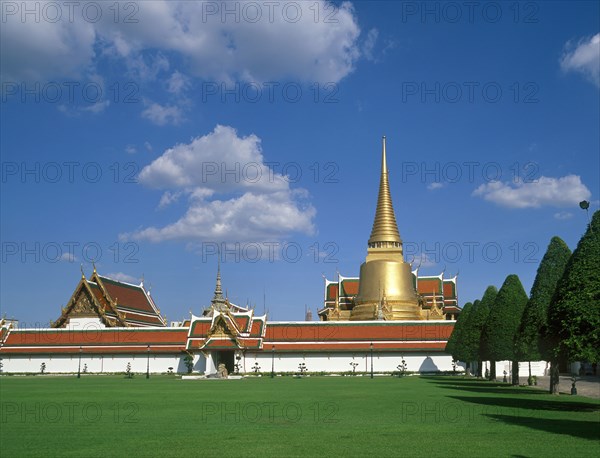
<point>386,289</point>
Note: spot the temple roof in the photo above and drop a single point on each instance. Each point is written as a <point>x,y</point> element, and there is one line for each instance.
<point>114,302</point>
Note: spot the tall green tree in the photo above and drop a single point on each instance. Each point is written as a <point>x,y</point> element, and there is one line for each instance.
<point>530,343</point>
<point>574,312</point>
<point>500,329</point>
<point>470,337</point>
<point>478,319</point>
<point>456,341</point>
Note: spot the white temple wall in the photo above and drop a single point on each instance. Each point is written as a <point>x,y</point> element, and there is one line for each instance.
<point>341,362</point>
<point>538,368</point>
<point>84,324</point>
<point>284,362</point>
<point>95,363</point>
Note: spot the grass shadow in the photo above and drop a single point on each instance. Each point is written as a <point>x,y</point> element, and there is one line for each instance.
<point>506,389</point>
<point>549,404</point>
<point>461,381</point>
<point>484,386</point>
<point>576,428</point>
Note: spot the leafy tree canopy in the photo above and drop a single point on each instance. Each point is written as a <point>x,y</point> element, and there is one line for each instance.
<point>574,313</point>
<point>498,335</point>
<point>455,342</point>
<point>531,344</point>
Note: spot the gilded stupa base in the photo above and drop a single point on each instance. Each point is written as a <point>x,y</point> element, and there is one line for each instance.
<point>393,310</point>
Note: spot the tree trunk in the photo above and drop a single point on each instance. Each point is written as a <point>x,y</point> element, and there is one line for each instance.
<point>515,373</point>
<point>479,369</point>
<point>493,370</point>
<point>554,377</point>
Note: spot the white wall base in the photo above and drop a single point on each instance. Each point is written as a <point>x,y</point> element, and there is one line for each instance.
<point>283,362</point>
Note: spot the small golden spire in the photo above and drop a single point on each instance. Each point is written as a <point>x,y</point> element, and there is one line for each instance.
<point>385,228</point>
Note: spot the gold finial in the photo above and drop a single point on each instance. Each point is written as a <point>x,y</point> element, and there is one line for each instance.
<point>385,228</point>
<point>94,265</point>
<point>82,274</point>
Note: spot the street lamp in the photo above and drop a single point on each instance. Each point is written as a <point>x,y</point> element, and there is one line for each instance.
<point>79,368</point>
<point>371,359</point>
<point>585,205</point>
<point>148,364</point>
<point>272,361</point>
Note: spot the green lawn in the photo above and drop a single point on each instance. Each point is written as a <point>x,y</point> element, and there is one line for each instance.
<point>315,416</point>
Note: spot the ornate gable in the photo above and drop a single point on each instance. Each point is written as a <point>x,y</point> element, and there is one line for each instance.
<point>222,327</point>
<point>88,301</point>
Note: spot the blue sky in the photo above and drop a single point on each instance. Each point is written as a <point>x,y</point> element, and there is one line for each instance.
<point>146,136</point>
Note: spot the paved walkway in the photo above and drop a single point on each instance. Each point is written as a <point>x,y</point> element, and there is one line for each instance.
<point>587,385</point>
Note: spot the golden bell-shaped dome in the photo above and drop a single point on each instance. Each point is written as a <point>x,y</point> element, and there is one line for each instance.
<point>384,272</point>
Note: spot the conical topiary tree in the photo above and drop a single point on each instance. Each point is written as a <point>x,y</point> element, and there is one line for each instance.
<point>530,342</point>
<point>479,318</point>
<point>498,335</point>
<point>574,312</point>
<point>455,345</point>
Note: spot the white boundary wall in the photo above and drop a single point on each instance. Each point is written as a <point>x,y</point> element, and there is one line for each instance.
<point>283,362</point>
<point>341,362</point>
<point>95,363</point>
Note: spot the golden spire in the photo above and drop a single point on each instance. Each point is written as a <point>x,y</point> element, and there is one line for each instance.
<point>385,228</point>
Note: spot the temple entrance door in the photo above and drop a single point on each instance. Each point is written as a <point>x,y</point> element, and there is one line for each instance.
<point>226,357</point>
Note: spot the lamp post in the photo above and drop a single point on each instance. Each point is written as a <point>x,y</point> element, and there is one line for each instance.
<point>402,368</point>
<point>148,363</point>
<point>272,361</point>
<point>79,368</point>
<point>371,359</point>
<point>573,387</point>
<point>585,205</point>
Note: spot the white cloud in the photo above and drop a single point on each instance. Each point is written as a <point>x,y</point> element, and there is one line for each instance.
<point>369,44</point>
<point>68,257</point>
<point>566,191</point>
<point>97,107</point>
<point>120,276</point>
<point>435,185</point>
<point>74,110</point>
<point>218,47</point>
<point>42,50</point>
<point>178,83</point>
<point>162,115</point>
<point>147,66</point>
<point>249,218</point>
<point>563,215</point>
<point>419,260</point>
<point>259,206</point>
<point>130,149</point>
<point>584,58</point>
<point>219,161</point>
<point>148,146</point>
<point>168,198</point>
